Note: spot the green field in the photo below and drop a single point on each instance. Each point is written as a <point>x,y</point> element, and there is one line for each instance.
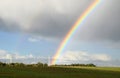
<point>59,72</point>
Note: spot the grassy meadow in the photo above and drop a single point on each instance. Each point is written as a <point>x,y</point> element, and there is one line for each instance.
<point>59,72</point>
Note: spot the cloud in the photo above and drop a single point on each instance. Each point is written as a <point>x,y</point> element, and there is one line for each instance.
<point>8,57</point>
<point>9,26</point>
<point>66,58</point>
<point>103,24</point>
<point>53,19</point>
<point>3,52</point>
<point>42,17</point>
<point>33,39</point>
<point>84,56</point>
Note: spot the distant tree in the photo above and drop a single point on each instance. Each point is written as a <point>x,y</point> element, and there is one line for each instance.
<point>91,65</point>
<point>45,65</point>
<point>4,64</point>
<point>21,64</point>
<point>34,65</point>
<point>39,64</point>
<point>12,64</point>
<point>1,63</point>
<point>18,64</point>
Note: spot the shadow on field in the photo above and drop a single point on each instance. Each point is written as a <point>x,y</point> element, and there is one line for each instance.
<point>55,72</point>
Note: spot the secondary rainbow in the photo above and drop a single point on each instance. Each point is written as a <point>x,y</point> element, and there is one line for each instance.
<point>73,29</point>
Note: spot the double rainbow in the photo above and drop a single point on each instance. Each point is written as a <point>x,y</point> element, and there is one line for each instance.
<point>73,29</point>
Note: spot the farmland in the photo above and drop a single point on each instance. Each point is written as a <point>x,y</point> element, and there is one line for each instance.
<point>59,72</point>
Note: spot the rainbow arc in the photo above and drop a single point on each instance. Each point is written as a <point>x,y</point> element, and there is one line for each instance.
<point>71,32</point>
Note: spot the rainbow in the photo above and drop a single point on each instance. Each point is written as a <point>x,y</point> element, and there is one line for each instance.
<point>73,29</point>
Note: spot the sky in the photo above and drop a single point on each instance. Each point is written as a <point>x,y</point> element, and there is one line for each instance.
<point>34,29</point>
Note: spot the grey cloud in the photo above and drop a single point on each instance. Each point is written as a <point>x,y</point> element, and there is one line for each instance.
<point>54,19</point>
<point>8,26</point>
<point>53,23</point>
<point>55,26</point>
<point>104,24</point>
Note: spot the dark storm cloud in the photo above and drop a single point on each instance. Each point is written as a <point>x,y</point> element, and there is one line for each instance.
<point>104,24</point>
<point>54,18</point>
<point>8,26</point>
<point>55,23</point>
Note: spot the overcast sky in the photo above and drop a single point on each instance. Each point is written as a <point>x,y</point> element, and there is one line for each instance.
<point>37,27</point>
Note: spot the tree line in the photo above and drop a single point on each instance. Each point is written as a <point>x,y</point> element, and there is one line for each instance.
<point>39,64</point>
<point>82,65</point>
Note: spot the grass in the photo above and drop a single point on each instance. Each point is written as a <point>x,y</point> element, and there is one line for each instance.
<point>59,72</point>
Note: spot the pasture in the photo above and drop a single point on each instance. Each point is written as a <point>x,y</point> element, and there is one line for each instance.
<point>59,72</point>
